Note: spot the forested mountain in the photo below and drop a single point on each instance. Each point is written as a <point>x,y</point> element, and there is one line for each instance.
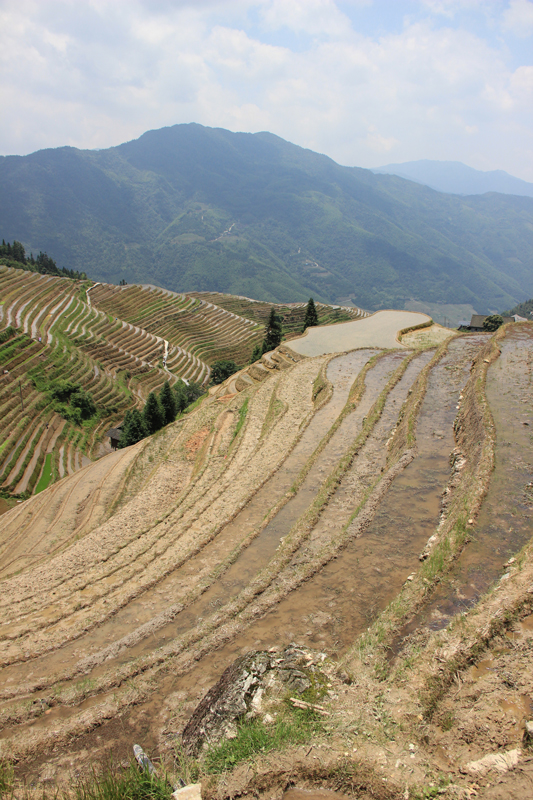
<point>195,208</point>
<point>458,178</point>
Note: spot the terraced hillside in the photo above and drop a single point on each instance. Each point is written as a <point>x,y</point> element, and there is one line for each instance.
<point>191,325</point>
<point>313,503</point>
<point>292,314</point>
<point>117,343</point>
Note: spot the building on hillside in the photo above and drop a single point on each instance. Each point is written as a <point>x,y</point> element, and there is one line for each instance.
<point>114,436</point>
<point>476,323</point>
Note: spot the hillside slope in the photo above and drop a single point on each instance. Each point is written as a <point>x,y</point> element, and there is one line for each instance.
<point>200,209</point>
<point>369,511</point>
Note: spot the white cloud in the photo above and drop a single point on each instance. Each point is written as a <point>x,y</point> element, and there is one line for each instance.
<point>314,17</point>
<point>99,73</point>
<point>518,18</point>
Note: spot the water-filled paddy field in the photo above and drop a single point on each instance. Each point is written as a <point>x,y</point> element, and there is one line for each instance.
<point>302,527</point>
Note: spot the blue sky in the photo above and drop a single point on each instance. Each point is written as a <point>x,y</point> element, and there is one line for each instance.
<point>367,83</point>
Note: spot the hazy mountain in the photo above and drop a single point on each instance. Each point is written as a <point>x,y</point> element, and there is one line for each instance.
<point>456,178</point>
<point>195,208</point>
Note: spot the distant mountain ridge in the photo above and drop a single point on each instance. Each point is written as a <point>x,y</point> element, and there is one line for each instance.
<point>453,177</point>
<point>192,208</point>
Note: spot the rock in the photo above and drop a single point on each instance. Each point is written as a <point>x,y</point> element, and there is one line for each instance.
<point>241,690</point>
<point>191,792</point>
<point>500,762</point>
<point>529,728</point>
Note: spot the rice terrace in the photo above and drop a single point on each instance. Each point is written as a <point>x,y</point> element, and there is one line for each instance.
<point>318,577</point>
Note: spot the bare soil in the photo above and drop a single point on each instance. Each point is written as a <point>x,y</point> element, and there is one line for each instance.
<point>129,587</point>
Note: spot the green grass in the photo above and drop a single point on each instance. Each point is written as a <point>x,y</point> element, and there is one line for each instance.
<point>243,410</point>
<point>292,726</point>
<point>46,474</point>
<point>110,784</point>
<point>6,779</point>
<point>131,784</point>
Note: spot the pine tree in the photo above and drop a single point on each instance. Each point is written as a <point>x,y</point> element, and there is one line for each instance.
<point>311,316</point>
<point>180,395</point>
<point>274,332</point>
<point>18,252</point>
<point>133,428</point>
<point>153,414</point>
<point>168,403</point>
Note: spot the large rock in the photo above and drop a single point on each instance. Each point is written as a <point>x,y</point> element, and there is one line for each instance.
<point>241,690</point>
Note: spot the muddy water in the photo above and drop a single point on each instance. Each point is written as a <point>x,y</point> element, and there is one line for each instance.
<point>505,522</point>
<point>257,555</point>
<point>341,372</point>
<point>340,601</point>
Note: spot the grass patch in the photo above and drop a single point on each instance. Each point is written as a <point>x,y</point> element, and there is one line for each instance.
<point>46,474</point>
<point>243,410</point>
<point>6,779</point>
<point>254,738</point>
<point>132,784</point>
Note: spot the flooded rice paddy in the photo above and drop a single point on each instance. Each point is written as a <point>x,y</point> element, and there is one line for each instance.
<point>352,562</point>
<point>505,522</point>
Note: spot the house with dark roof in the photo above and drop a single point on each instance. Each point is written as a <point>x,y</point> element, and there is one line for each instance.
<point>476,323</point>
<point>114,435</point>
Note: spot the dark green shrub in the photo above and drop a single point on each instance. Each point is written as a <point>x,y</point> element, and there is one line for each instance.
<point>222,370</point>
<point>133,428</point>
<point>153,414</point>
<point>493,322</point>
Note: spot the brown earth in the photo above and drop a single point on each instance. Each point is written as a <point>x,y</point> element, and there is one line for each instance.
<point>176,555</point>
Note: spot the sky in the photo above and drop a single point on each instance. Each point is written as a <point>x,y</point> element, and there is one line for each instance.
<point>367,82</point>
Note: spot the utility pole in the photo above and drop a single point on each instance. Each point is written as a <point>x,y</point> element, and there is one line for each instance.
<point>21,400</point>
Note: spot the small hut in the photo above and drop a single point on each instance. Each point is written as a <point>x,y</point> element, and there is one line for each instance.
<point>114,435</point>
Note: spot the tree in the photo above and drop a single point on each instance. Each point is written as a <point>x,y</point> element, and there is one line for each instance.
<point>273,333</point>
<point>193,391</point>
<point>311,316</point>
<point>83,402</point>
<point>46,265</point>
<point>133,428</point>
<point>180,395</point>
<point>18,252</point>
<point>493,322</point>
<point>257,353</point>
<point>153,414</point>
<point>167,400</point>
<point>222,370</point>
